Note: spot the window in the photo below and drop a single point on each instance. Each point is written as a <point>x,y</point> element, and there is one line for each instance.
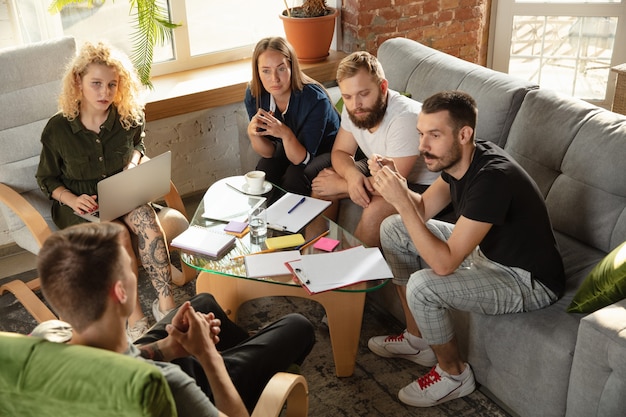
<point>211,32</point>
<point>564,45</point>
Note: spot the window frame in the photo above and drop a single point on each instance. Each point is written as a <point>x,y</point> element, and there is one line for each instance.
<point>502,24</point>
<point>183,60</point>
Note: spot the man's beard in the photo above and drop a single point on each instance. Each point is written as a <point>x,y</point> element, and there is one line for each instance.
<point>444,163</point>
<point>375,114</point>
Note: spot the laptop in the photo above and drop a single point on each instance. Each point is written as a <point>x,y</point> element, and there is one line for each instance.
<point>131,188</point>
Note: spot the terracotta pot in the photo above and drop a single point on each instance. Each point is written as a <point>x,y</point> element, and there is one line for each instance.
<point>310,36</point>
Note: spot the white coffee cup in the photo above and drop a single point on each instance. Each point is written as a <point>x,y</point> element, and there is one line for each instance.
<point>255,180</point>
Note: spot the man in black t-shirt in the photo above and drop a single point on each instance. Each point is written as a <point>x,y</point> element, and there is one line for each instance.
<point>500,256</point>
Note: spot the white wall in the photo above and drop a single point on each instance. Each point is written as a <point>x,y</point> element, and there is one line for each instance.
<point>206,146</point>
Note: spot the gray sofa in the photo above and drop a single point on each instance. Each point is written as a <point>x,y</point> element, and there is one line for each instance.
<point>548,362</point>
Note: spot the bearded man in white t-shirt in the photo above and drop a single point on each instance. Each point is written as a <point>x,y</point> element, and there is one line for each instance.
<point>381,123</point>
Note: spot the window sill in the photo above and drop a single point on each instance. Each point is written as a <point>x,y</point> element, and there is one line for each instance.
<point>219,85</point>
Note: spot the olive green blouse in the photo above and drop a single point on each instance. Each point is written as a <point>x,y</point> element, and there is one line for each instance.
<point>77,158</point>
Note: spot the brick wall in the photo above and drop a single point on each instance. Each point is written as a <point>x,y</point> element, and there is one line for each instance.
<point>457,27</point>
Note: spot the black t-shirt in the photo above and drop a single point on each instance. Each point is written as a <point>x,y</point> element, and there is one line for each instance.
<point>497,190</point>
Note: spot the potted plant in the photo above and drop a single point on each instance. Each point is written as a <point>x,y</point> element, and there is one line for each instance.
<point>309,29</point>
<point>153,27</point>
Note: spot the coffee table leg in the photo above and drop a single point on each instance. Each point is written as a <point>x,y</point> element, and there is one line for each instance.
<point>224,289</point>
<point>345,315</point>
<point>343,309</point>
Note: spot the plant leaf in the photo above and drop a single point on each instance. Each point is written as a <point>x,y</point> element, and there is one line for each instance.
<point>152,26</point>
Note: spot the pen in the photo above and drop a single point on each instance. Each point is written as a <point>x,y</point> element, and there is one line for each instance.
<point>297,204</point>
<point>312,241</point>
<point>277,227</point>
<point>254,253</point>
<point>235,188</point>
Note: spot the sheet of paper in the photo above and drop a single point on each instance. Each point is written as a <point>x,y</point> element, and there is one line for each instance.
<point>270,264</point>
<point>226,204</point>
<point>326,271</point>
<point>288,214</point>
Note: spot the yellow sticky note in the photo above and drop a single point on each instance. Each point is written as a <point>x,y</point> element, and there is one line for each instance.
<point>287,241</point>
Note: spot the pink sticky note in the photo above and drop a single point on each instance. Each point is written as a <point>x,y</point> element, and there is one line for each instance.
<point>326,244</point>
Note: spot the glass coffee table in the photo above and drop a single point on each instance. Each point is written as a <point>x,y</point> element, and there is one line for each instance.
<point>227,280</point>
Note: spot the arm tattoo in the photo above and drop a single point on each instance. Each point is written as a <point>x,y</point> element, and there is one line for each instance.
<point>151,351</point>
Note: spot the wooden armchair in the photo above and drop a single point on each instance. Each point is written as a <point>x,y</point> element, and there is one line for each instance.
<point>46,378</point>
<point>29,90</point>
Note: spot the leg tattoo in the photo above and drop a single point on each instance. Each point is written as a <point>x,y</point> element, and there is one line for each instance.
<point>153,250</point>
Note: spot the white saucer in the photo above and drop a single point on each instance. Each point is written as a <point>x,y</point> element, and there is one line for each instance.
<point>266,189</point>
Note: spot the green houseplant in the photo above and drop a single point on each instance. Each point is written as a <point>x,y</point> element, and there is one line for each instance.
<point>153,27</point>
<point>309,29</point>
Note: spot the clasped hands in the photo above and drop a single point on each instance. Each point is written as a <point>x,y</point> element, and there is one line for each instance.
<point>192,333</point>
<point>265,124</point>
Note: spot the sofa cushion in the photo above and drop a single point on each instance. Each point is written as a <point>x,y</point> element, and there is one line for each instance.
<point>605,285</point>
<point>28,98</point>
<point>572,150</point>
<point>422,71</point>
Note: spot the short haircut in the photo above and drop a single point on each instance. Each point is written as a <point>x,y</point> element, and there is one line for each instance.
<point>78,266</point>
<point>460,106</point>
<point>357,61</point>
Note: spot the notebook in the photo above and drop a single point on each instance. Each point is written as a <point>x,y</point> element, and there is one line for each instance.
<point>293,211</point>
<point>131,188</point>
<point>205,241</point>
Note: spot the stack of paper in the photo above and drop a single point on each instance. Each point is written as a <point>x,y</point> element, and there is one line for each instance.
<point>270,264</point>
<point>226,204</point>
<point>328,271</point>
<point>205,241</point>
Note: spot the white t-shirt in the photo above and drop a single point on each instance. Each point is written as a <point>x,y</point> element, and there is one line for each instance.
<point>395,137</point>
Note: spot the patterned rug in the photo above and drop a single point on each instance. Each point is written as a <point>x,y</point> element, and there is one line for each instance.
<point>370,391</point>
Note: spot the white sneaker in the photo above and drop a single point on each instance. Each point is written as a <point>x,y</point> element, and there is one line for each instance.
<point>398,347</point>
<point>437,387</point>
<point>138,329</point>
<point>54,331</point>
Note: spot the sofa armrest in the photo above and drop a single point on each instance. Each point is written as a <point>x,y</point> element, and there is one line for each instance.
<point>598,376</point>
<point>284,389</point>
<point>21,208</point>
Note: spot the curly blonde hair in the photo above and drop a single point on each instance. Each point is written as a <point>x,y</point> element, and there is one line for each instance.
<point>127,100</point>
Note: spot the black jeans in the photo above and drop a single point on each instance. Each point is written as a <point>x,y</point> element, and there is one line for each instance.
<point>251,361</point>
<point>293,178</point>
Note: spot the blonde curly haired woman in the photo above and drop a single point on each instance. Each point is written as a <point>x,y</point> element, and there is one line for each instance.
<point>98,132</point>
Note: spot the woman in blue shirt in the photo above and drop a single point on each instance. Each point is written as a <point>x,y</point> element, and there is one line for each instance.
<point>293,123</point>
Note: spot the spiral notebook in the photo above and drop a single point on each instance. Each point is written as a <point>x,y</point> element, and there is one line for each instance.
<point>204,241</point>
